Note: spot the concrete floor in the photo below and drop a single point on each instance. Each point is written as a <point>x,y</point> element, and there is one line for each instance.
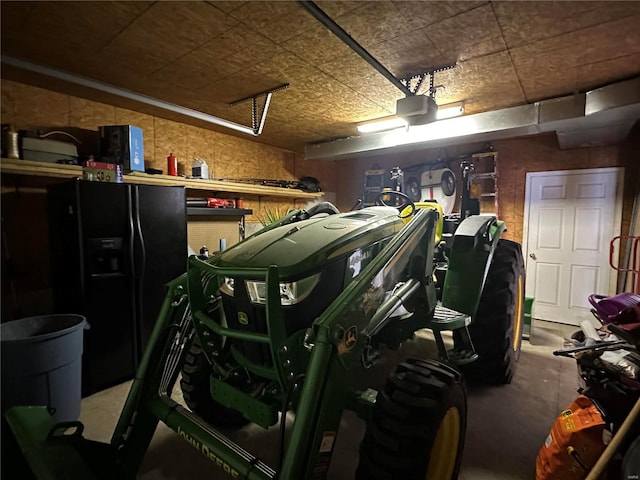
<point>506,424</point>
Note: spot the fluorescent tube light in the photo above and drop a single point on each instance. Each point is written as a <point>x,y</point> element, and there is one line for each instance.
<point>450,110</point>
<point>386,123</point>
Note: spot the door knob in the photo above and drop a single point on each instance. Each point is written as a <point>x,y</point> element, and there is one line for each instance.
<point>533,256</point>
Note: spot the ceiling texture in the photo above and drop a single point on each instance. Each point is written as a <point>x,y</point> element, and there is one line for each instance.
<point>206,56</point>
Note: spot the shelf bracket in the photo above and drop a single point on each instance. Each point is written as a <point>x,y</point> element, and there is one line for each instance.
<point>257,120</point>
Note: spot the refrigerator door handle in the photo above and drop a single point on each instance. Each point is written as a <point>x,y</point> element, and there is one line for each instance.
<point>143,251</point>
<point>141,261</point>
<point>132,265</point>
<point>131,233</point>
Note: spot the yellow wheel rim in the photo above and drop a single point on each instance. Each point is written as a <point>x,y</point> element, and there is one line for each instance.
<point>445,447</point>
<point>517,320</point>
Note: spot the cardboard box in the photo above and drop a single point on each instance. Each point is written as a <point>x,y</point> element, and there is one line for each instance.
<point>102,172</point>
<point>122,144</point>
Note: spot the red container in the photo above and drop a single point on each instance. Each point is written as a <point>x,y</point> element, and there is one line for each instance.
<point>172,165</point>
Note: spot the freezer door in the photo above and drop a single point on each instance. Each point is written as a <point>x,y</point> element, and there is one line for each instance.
<point>160,249</point>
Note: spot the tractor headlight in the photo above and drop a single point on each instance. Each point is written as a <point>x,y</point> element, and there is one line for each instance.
<point>290,292</point>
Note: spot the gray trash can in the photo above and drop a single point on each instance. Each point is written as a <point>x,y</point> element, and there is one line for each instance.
<point>42,363</point>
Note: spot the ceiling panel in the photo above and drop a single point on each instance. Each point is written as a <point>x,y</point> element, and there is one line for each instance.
<point>523,23</point>
<point>470,34</point>
<point>317,45</point>
<point>228,6</point>
<point>409,54</point>
<point>64,32</point>
<point>223,56</point>
<point>164,33</point>
<point>485,80</point>
<point>365,27</point>
<point>594,74</point>
<point>419,14</point>
<point>547,66</point>
<point>279,21</point>
<point>204,55</point>
<point>335,8</point>
<point>363,81</point>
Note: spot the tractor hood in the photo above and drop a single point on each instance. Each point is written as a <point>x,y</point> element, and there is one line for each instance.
<point>307,246</point>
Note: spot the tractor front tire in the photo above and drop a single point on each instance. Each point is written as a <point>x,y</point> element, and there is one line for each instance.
<point>195,391</point>
<point>496,328</point>
<point>417,426</point>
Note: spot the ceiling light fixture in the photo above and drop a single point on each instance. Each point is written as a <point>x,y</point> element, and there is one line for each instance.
<point>450,110</point>
<point>404,117</point>
<point>381,124</point>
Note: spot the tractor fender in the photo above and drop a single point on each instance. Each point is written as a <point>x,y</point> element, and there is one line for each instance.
<point>471,251</point>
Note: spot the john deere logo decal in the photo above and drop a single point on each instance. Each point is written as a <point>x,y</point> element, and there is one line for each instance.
<point>349,340</point>
<point>243,319</point>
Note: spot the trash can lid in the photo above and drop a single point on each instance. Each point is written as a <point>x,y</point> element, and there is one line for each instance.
<point>41,327</point>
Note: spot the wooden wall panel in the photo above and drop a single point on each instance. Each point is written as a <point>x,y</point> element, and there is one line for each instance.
<point>536,154</point>
<point>227,156</point>
<point>7,100</point>
<point>91,114</point>
<point>37,107</point>
<point>209,232</point>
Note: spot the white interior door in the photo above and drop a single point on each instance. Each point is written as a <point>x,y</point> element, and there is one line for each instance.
<point>570,218</point>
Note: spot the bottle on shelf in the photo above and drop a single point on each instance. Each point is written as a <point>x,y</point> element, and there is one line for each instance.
<point>200,169</point>
<point>172,165</point>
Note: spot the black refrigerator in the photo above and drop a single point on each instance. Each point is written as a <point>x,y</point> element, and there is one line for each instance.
<point>114,247</point>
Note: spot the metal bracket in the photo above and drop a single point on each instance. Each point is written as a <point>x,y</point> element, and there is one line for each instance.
<point>419,77</point>
<point>414,82</point>
<point>257,120</point>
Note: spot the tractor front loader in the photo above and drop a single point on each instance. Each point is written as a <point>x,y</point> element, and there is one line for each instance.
<point>285,321</point>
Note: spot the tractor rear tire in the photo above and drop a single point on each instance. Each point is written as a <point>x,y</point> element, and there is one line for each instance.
<point>417,426</point>
<point>496,328</point>
<point>196,393</point>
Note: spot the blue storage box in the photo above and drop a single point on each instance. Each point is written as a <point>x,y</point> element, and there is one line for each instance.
<point>124,145</point>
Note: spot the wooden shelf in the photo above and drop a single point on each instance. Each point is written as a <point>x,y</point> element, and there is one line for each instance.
<point>56,170</point>
<point>218,212</point>
<point>40,169</point>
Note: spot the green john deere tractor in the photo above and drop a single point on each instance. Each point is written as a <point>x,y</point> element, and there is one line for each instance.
<point>286,320</point>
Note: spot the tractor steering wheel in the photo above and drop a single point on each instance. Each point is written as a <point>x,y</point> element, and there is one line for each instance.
<point>406,202</point>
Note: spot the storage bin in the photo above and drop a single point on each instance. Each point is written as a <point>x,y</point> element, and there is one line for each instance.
<point>42,363</point>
